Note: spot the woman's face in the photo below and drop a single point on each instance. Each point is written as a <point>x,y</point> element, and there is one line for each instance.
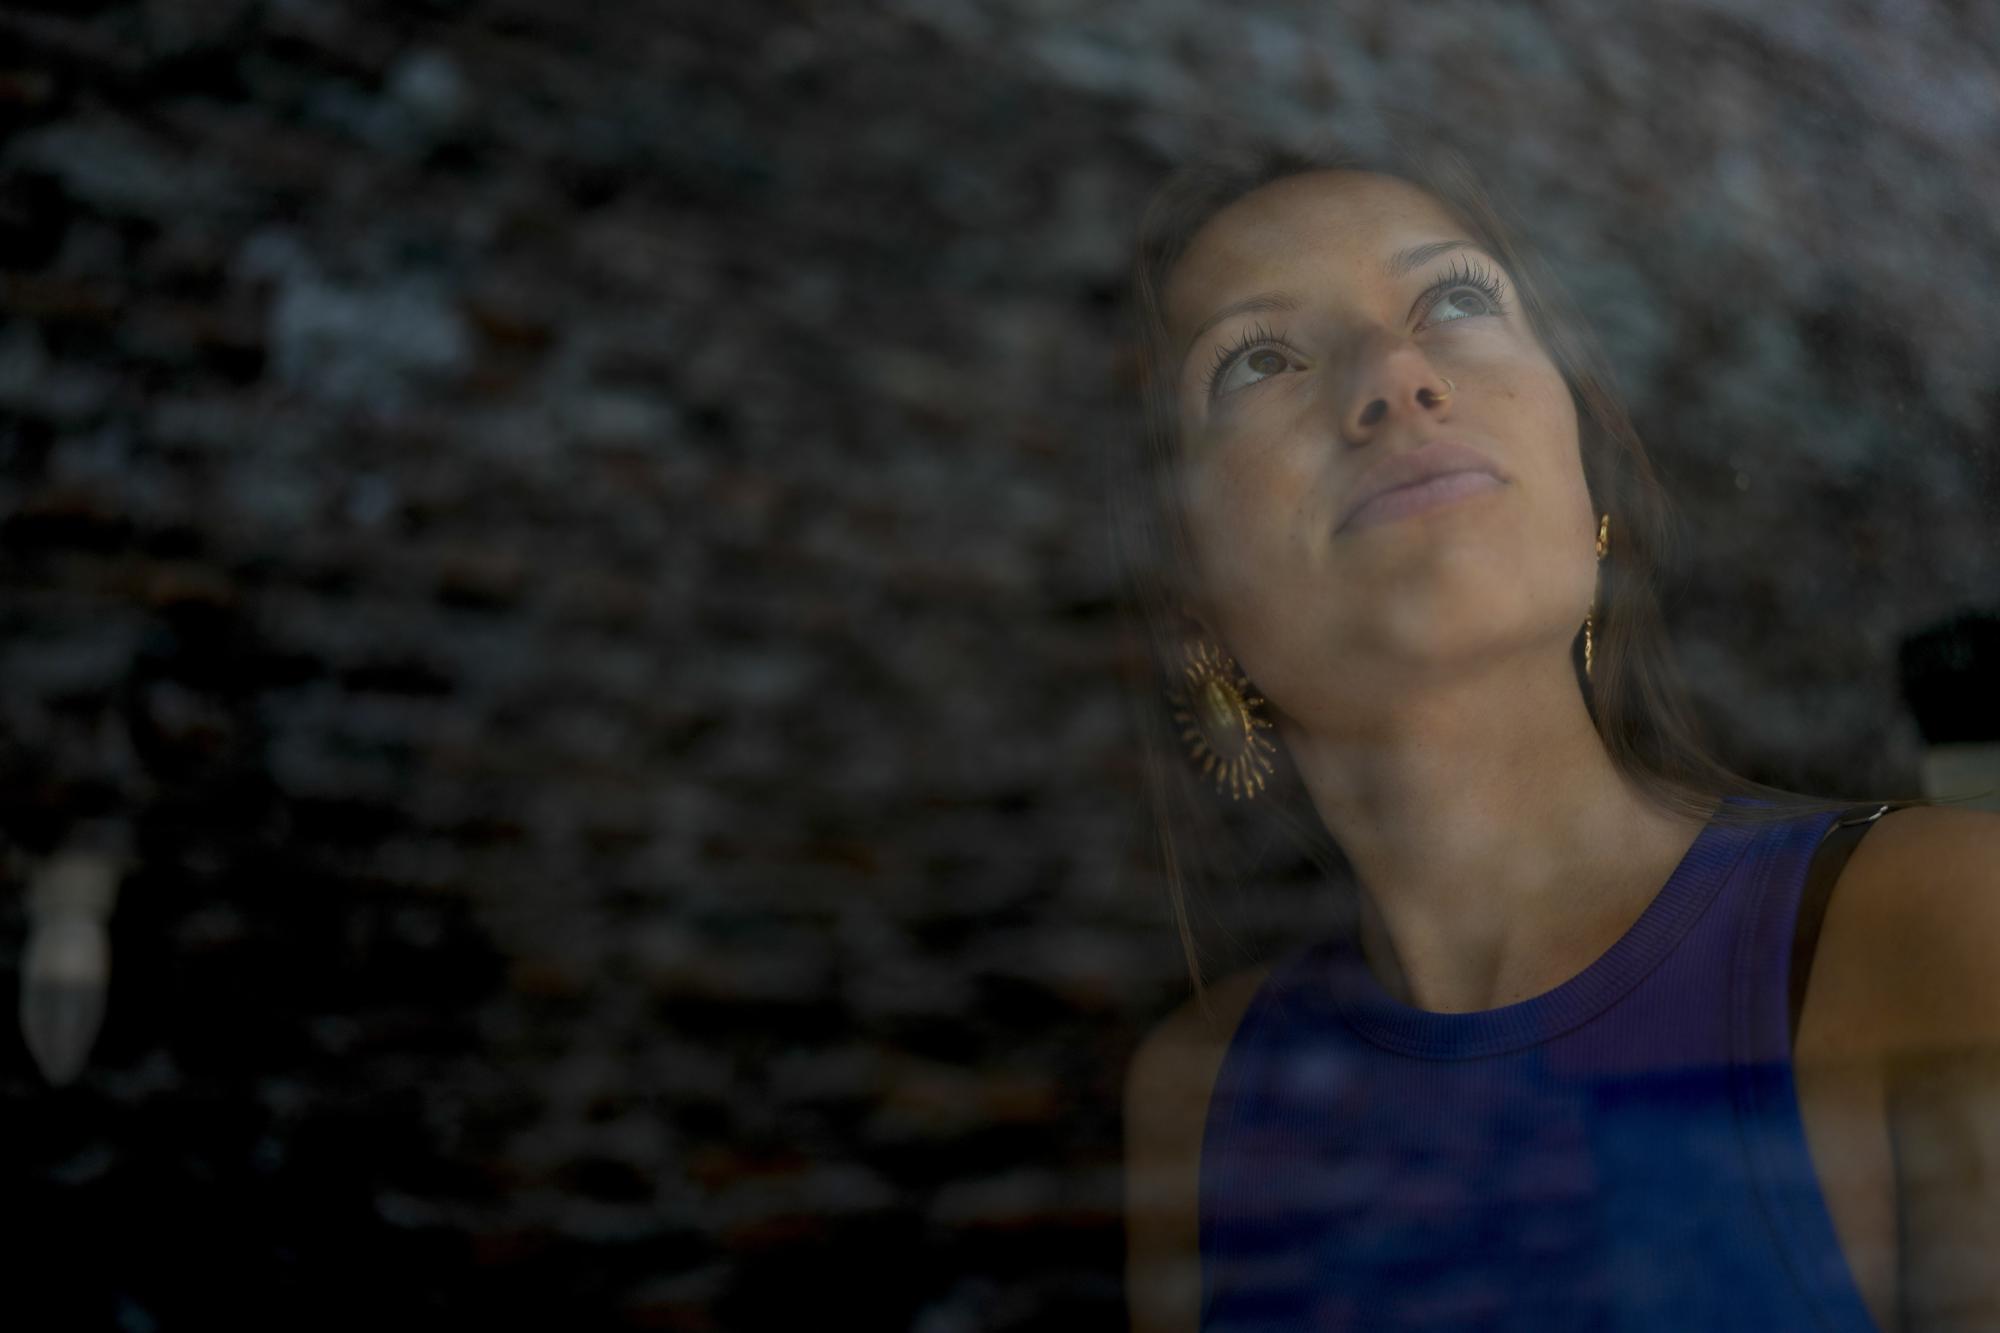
<point>1319,317</point>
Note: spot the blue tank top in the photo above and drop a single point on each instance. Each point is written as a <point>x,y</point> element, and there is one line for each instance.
<point>1623,1152</point>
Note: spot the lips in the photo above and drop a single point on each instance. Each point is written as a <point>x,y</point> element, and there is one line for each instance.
<point>1411,467</point>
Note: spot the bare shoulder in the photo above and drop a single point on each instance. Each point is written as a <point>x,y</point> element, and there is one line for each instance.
<point>1167,1089</point>
<point>1911,930</point>
<point>1172,1072</point>
<point>1922,925</point>
<point>1191,1025</point>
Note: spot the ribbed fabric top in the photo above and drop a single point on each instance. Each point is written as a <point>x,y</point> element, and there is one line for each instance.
<point>1623,1152</point>
<point>1382,1018</point>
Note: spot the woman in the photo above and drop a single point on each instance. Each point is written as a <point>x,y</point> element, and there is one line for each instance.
<point>1587,1053</point>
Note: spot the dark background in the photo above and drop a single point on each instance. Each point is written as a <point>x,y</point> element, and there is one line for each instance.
<point>564,544</point>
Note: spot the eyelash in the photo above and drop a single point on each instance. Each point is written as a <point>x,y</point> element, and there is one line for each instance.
<point>1254,336</point>
<point>1462,274</point>
<point>1473,274</point>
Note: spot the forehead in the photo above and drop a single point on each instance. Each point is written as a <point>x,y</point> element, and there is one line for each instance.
<point>1323,221</point>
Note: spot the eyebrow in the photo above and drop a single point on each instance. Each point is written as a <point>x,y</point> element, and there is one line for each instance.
<point>1249,305</point>
<point>1397,265</point>
<point>1400,263</point>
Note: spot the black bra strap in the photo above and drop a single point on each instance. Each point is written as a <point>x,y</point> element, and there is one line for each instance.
<point>1834,849</point>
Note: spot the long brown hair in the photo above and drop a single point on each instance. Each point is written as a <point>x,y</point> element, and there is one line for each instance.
<point>1635,692</point>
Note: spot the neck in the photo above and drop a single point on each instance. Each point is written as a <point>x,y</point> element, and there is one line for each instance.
<point>1499,850</point>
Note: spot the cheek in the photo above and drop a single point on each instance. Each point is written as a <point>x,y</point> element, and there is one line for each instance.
<point>1243,507</point>
<point>1221,514</point>
<point>1543,421</point>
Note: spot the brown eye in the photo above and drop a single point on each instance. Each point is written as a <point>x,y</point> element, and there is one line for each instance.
<point>1252,367</point>
<point>1460,302</point>
<point>1464,292</point>
<point>1258,355</point>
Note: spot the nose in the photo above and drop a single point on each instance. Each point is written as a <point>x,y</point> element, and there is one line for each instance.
<point>1392,385</point>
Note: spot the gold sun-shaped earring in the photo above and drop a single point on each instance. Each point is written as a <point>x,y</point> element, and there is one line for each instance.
<point>1217,721</point>
<point>1603,546</point>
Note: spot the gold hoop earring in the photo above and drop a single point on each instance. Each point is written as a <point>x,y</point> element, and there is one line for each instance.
<point>1449,388</point>
<point>1603,545</point>
<point>1218,722</point>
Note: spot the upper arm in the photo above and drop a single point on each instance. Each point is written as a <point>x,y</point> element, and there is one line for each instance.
<point>1167,1088</point>
<point>1931,893</point>
<point>1944,1116</point>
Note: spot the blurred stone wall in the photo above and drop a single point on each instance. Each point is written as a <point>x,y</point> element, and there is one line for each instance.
<point>560,547</point>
